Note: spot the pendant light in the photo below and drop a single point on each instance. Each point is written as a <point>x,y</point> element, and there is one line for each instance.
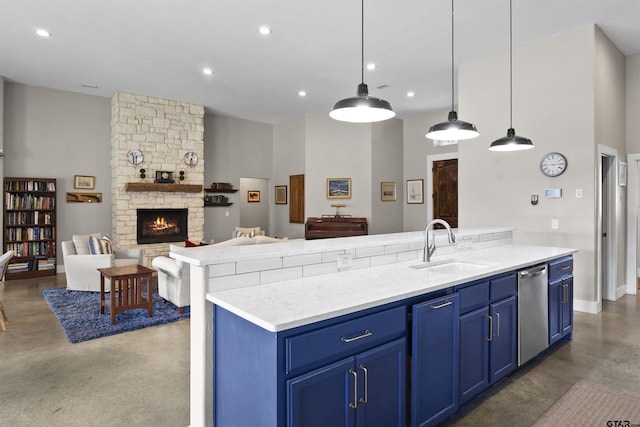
<point>453,130</point>
<point>511,142</point>
<point>362,108</point>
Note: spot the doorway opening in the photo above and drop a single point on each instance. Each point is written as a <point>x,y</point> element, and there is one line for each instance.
<point>633,223</point>
<point>445,190</point>
<point>606,240</point>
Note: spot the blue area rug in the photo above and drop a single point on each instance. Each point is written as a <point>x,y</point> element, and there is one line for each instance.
<point>79,314</point>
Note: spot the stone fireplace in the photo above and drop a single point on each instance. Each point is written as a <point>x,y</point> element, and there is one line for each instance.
<point>164,131</point>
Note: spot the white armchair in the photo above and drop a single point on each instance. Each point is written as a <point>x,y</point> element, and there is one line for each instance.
<point>173,281</point>
<point>81,267</point>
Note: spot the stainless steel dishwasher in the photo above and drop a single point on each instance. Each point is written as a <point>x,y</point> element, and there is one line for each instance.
<point>533,312</point>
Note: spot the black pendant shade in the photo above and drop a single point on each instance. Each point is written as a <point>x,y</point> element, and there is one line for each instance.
<point>453,130</point>
<point>362,108</point>
<point>511,142</point>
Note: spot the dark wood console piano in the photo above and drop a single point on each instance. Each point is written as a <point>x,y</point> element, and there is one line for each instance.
<point>335,226</point>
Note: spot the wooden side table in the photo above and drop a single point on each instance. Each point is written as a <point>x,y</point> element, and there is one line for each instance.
<point>127,283</point>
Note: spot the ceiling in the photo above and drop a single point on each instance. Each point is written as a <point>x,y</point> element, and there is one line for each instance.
<point>160,47</point>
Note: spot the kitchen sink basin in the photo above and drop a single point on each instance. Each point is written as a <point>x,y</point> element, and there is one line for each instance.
<point>450,266</point>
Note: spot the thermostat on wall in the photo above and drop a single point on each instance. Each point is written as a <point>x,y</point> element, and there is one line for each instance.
<point>553,193</point>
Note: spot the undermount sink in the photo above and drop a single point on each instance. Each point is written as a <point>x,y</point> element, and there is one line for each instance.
<point>450,266</point>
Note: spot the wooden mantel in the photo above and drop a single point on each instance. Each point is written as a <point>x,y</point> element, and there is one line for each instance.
<point>167,188</point>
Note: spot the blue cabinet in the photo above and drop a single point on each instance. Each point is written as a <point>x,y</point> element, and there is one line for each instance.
<point>365,390</point>
<point>560,299</point>
<point>434,368</point>
<point>487,334</point>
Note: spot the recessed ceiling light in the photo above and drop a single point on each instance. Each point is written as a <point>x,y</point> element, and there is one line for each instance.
<point>410,94</point>
<point>207,71</point>
<point>43,33</point>
<point>371,66</point>
<point>264,30</point>
<point>302,93</point>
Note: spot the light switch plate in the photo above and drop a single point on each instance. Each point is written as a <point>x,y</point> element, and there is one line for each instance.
<point>555,224</point>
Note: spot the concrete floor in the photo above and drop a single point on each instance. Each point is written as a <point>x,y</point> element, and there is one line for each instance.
<point>141,378</point>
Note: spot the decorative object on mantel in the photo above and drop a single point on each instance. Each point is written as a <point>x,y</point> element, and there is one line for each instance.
<point>143,173</point>
<point>84,197</point>
<point>135,157</point>
<point>82,182</point>
<point>181,175</point>
<point>164,177</point>
<point>167,188</point>
<point>191,159</point>
<point>80,318</point>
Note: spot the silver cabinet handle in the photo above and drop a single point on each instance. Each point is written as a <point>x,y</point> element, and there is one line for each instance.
<point>354,405</point>
<point>367,333</point>
<point>565,267</point>
<point>444,304</point>
<point>498,327</point>
<point>490,337</point>
<point>565,293</point>
<point>365,399</point>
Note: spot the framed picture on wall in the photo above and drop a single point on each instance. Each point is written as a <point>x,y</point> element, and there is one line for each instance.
<point>253,196</point>
<point>388,191</point>
<point>338,188</point>
<point>281,194</point>
<point>415,190</point>
<point>84,182</point>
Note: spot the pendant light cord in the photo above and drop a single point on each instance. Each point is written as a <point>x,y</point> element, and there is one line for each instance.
<point>452,65</point>
<point>362,41</point>
<point>510,65</point>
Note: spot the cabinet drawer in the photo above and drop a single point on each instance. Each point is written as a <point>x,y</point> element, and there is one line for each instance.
<point>503,287</point>
<point>559,268</point>
<point>327,344</point>
<point>474,296</point>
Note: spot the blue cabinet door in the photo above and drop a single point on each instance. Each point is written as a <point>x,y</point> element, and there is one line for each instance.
<point>321,398</point>
<point>555,312</point>
<point>382,400</point>
<point>474,353</point>
<point>567,306</point>
<point>434,367</point>
<point>502,347</point>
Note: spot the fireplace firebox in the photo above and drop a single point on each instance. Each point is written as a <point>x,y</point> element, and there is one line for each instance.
<point>161,225</point>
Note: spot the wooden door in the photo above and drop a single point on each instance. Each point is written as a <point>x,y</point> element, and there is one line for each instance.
<point>445,191</point>
<point>296,204</point>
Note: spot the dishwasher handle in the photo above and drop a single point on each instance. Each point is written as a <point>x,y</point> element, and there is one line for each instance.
<point>532,272</point>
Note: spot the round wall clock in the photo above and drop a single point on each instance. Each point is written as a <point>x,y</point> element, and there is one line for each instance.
<point>191,158</point>
<point>135,157</point>
<point>553,164</point>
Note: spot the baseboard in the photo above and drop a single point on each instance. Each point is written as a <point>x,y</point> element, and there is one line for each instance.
<point>592,307</point>
<point>621,291</point>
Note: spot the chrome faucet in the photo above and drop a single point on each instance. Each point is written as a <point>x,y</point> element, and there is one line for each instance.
<point>429,249</point>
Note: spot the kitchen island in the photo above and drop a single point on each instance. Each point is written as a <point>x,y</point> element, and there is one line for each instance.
<point>285,344</point>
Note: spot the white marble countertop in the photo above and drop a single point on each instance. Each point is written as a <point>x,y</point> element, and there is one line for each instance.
<point>292,303</point>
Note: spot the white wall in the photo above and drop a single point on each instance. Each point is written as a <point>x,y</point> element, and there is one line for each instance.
<point>233,148</point>
<point>288,159</point>
<point>554,104</point>
<point>336,149</point>
<point>416,149</point>
<point>54,134</point>
<point>386,166</point>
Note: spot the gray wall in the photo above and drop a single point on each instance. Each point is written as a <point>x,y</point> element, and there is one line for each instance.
<point>55,134</point>
<point>255,214</point>
<point>554,104</point>
<point>416,150</point>
<point>288,159</point>
<point>233,149</point>
<point>386,166</point>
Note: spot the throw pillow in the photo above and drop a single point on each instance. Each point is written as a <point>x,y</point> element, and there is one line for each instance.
<point>190,244</point>
<point>251,233</point>
<point>99,246</point>
<point>81,242</point>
